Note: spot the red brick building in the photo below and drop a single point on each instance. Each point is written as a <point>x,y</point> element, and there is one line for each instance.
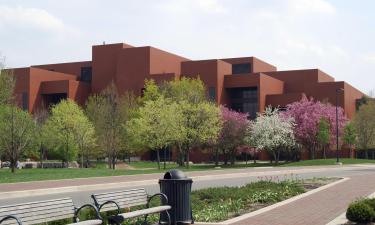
<point>246,84</point>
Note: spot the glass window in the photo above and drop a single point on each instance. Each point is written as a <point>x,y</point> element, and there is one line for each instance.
<point>244,100</point>
<point>86,74</point>
<point>25,101</point>
<point>241,68</point>
<point>212,93</point>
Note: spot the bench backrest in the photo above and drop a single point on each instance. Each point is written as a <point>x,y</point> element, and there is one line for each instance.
<point>124,199</point>
<point>39,212</point>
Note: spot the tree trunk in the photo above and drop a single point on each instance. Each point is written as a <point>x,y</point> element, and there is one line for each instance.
<point>324,152</point>
<point>180,159</point>
<point>165,158</point>
<point>372,153</point>
<point>313,153</point>
<point>275,158</point>
<point>278,157</point>
<point>225,159</point>
<point>232,157</point>
<point>113,162</point>
<point>366,152</point>
<point>158,158</point>
<point>109,162</point>
<point>12,165</point>
<point>81,161</point>
<point>41,155</point>
<point>217,156</point>
<point>255,157</point>
<point>187,159</point>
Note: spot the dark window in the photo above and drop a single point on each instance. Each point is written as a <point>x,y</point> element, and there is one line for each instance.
<point>86,74</point>
<point>244,100</point>
<point>25,101</point>
<point>241,68</point>
<point>53,99</point>
<point>212,93</point>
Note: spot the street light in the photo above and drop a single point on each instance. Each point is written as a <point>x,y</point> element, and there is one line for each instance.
<point>337,124</point>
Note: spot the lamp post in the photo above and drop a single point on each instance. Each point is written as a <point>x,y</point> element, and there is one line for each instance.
<point>337,125</point>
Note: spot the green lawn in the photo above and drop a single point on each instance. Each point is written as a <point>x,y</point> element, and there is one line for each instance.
<point>320,162</point>
<point>142,168</point>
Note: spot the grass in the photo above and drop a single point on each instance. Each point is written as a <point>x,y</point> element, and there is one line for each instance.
<point>142,168</point>
<point>322,162</point>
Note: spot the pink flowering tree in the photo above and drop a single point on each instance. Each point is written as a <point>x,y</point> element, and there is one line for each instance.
<point>306,114</point>
<point>232,134</point>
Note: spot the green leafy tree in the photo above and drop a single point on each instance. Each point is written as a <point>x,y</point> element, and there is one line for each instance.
<point>185,89</point>
<point>323,135</point>
<point>350,136</point>
<point>157,126</point>
<point>364,123</point>
<point>17,133</point>
<point>109,112</point>
<point>201,120</point>
<point>202,124</point>
<point>40,118</point>
<point>7,83</point>
<point>68,131</point>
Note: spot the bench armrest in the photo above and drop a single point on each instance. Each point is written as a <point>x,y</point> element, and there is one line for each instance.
<point>76,212</point>
<point>10,217</point>
<point>158,194</point>
<point>108,202</point>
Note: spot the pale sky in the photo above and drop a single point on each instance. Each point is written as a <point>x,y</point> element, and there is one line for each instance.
<point>335,36</point>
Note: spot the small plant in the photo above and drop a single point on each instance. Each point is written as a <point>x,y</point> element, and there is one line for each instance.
<point>360,212</point>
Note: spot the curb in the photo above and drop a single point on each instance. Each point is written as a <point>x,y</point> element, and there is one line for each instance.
<point>285,202</point>
<point>128,184</point>
<point>341,219</point>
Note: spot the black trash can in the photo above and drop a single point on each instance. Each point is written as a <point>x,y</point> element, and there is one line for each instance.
<point>177,187</point>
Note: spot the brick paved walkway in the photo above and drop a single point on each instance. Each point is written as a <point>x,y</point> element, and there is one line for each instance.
<point>319,208</point>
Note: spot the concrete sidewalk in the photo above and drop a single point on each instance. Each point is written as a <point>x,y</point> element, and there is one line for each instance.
<point>258,171</point>
<point>316,209</point>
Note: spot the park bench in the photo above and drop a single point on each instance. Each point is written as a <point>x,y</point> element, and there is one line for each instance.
<point>45,211</point>
<point>126,199</point>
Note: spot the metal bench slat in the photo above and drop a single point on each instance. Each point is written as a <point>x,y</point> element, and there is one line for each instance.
<point>128,198</point>
<point>24,216</point>
<point>28,206</point>
<point>119,194</point>
<point>143,212</point>
<point>60,207</point>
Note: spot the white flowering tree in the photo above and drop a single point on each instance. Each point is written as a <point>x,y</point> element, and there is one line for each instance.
<point>272,133</point>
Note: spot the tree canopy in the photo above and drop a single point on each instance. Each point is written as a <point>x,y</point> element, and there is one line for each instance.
<point>307,113</point>
<point>68,131</point>
<point>109,111</point>
<point>7,83</point>
<point>17,133</point>
<point>364,124</point>
<point>272,132</point>
<point>233,132</point>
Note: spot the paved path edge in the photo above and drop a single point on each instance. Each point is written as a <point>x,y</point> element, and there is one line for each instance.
<point>276,205</point>
<point>341,219</point>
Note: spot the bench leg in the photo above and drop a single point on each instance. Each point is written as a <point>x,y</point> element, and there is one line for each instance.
<point>145,221</point>
<point>169,217</point>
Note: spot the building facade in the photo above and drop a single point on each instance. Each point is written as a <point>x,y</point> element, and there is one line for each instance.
<point>246,84</point>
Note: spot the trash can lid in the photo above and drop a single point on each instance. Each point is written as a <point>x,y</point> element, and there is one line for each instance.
<point>174,175</point>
